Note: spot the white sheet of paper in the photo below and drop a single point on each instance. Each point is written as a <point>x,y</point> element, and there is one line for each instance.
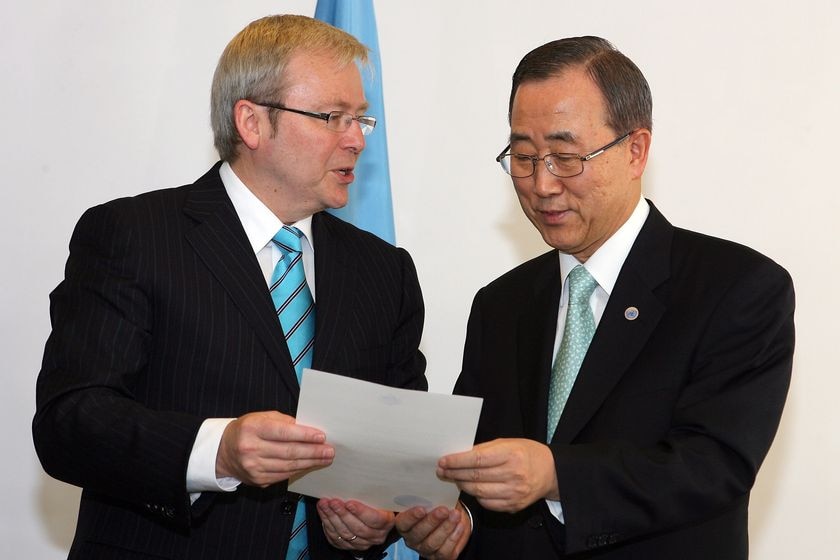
<point>387,441</point>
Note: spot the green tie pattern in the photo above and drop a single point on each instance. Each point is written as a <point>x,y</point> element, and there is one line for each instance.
<point>577,334</point>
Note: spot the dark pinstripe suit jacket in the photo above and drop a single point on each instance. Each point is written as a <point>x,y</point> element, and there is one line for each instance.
<point>164,319</point>
<point>671,415</point>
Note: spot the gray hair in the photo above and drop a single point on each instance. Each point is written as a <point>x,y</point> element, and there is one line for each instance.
<point>252,65</point>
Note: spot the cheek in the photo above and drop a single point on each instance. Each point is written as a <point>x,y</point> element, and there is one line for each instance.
<point>523,192</point>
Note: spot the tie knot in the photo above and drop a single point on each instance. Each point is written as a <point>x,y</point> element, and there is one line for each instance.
<point>288,239</point>
<point>581,285</point>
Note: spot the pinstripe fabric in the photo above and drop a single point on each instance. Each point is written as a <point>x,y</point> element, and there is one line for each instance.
<point>137,359</point>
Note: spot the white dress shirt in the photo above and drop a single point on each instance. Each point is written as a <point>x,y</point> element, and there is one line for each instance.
<point>604,266</point>
<point>260,225</point>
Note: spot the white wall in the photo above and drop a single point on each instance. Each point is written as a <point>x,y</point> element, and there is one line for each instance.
<point>102,99</point>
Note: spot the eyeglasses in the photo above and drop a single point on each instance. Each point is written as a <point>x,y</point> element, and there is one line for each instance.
<point>337,121</point>
<point>559,165</point>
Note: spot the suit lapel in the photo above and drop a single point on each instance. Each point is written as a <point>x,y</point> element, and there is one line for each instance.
<point>618,340</point>
<point>220,242</point>
<point>535,332</point>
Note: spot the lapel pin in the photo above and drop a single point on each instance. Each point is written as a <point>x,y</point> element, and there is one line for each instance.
<point>631,313</point>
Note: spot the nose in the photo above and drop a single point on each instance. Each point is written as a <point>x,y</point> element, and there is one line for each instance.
<point>546,184</point>
<point>353,138</point>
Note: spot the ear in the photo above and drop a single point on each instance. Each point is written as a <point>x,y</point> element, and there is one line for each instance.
<point>639,149</point>
<point>247,117</point>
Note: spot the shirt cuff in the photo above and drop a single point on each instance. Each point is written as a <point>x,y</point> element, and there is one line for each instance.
<point>201,469</point>
<point>469,514</point>
<point>556,509</point>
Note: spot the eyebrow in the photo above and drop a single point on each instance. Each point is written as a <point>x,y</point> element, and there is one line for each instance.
<point>342,106</point>
<point>562,136</point>
<point>559,136</point>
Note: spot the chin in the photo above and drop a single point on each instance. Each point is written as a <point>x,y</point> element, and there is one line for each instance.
<point>338,203</point>
<point>559,243</point>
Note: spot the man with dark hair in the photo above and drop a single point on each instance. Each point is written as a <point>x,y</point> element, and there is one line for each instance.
<point>633,377</point>
<point>170,380</point>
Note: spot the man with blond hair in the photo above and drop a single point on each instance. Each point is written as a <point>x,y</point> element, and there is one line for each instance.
<point>170,380</point>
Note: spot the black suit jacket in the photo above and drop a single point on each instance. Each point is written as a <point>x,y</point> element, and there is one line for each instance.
<point>163,320</point>
<point>671,414</point>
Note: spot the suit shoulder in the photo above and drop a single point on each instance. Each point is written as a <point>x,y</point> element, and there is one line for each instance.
<point>721,254</point>
<point>158,200</point>
<point>528,274</point>
<point>353,238</point>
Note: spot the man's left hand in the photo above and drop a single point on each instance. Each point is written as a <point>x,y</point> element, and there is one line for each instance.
<point>352,525</point>
<point>504,474</point>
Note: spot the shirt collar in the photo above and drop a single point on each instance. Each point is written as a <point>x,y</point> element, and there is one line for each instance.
<point>605,264</point>
<point>259,222</point>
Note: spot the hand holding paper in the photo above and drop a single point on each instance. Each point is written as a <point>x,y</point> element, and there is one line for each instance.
<point>387,441</point>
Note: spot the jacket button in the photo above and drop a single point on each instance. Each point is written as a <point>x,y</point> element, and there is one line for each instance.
<point>288,508</point>
<point>535,522</point>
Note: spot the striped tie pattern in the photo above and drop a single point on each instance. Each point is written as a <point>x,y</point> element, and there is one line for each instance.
<point>577,334</point>
<point>296,312</point>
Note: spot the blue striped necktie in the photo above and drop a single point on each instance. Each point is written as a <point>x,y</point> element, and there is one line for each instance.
<point>296,311</point>
<point>577,334</point>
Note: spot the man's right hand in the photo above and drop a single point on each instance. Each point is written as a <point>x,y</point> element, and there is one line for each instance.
<point>439,534</point>
<point>262,448</point>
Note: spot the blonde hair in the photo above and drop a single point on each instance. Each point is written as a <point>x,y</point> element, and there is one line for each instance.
<point>252,65</point>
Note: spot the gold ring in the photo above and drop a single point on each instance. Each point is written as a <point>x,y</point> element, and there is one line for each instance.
<point>353,539</point>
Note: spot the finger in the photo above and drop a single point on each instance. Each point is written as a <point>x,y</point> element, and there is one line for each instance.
<point>408,519</point>
<point>286,451</point>
<point>275,426</point>
<point>442,540</point>
<point>337,534</point>
<point>488,490</point>
<point>453,543</point>
<point>372,518</point>
<point>334,515</point>
<point>483,455</point>
<point>285,431</point>
<point>488,474</point>
<point>366,523</point>
<point>418,524</point>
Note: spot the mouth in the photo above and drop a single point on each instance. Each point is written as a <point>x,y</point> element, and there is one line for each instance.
<point>554,216</point>
<point>345,174</point>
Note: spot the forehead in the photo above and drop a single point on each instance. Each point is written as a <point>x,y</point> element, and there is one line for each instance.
<point>569,102</point>
<point>318,78</point>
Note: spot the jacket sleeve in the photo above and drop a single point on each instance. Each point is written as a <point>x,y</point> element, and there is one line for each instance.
<point>724,418</point>
<point>89,428</point>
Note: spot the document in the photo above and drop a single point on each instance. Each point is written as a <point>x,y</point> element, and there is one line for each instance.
<point>387,441</point>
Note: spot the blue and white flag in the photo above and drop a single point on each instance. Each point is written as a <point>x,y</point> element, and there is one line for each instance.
<point>369,206</point>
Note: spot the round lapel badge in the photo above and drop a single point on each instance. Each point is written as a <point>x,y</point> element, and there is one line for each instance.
<point>631,313</point>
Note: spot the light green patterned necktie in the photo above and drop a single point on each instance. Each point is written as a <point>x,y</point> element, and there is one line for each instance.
<point>577,334</point>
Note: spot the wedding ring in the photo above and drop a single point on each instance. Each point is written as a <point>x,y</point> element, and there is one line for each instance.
<point>353,539</point>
